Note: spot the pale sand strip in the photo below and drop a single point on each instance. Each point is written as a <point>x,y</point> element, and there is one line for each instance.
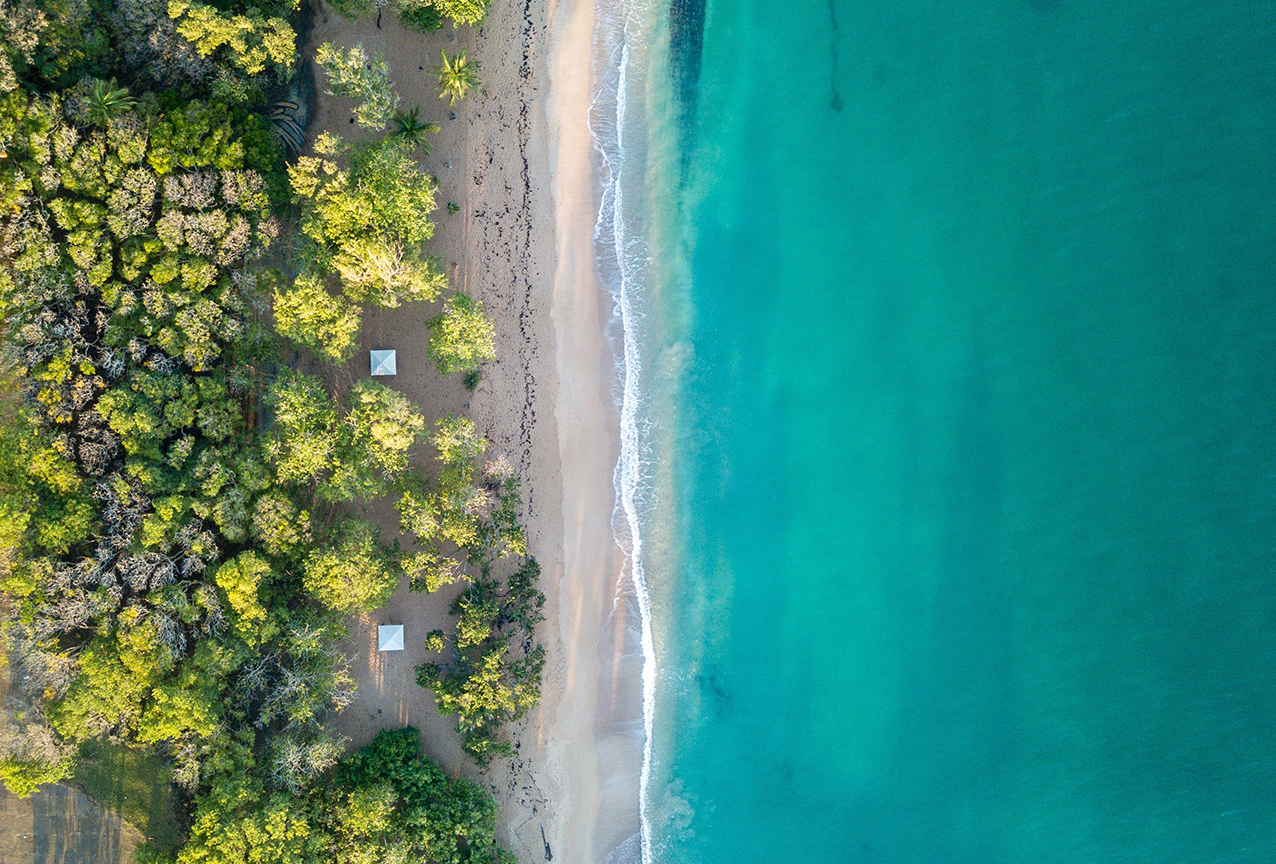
<point>582,410</point>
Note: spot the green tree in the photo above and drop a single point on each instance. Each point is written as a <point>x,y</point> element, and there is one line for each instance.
<point>351,572</point>
<point>458,442</point>
<point>22,778</point>
<point>106,101</point>
<point>462,337</point>
<point>493,676</point>
<point>388,802</point>
<point>344,454</point>
<point>379,430</point>
<point>354,8</point>
<point>419,15</point>
<point>409,127</point>
<point>311,316</point>
<point>252,41</point>
<point>368,221</point>
<point>242,579</point>
<point>279,526</point>
<point>457,76</point>
<point>303,442</point>
<point>363,80</point>
<point>462,11</point>
<point>238,822</point>
<point>387,272</point>
<point>427,15</point>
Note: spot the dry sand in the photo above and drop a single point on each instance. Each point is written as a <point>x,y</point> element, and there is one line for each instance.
<point>518,161</point>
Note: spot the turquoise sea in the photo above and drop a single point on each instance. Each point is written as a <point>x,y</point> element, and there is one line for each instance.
<point>958,431</point>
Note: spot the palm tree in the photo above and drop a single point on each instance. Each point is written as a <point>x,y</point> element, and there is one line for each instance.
<point>456,77</point>
<point>106,101</point>
<point>411,129</point>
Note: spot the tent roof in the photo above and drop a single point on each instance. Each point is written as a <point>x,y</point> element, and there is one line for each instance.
<point>383,362</point>
<point>390,637</point>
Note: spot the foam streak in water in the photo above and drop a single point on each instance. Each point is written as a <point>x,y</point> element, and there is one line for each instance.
<point>621,259</point>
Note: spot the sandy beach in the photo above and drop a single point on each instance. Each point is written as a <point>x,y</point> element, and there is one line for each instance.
<point>517,160</point>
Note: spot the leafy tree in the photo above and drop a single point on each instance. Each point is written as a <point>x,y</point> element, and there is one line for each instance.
<point>279,526</point>
<point>409,127</point>
<point>242,579</point>
<point>368,221</point>
<point>302,444</point>
<point>427,15</point>
<point>309,315</point>
<point>419,15</point>
<point>351,572</point>
<point>384,424</point>
<point>252,42</point>
<point>384,802</point>
<point>458,441</point>
<point>388,802</point>
<point>366,81</point>
<point>48,44</point>
<point>129,307</point>
<point>386,273</point>
<point>494,674</point>
<point>23,777</point>
<point>462,11</point>
<point>457,76</point>
<point>429,571</point>
<point>163,585</point>
<point>238,822</point>
<point>373,444</point>
<point>300,678</point>
<point>462,337</point>
<point>343,455</point>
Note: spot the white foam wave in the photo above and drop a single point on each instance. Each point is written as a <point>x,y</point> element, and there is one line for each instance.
<point>622,258</point>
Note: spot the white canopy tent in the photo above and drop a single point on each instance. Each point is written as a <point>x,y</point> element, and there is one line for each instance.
<point>390,637</point>
<point>383,362</point>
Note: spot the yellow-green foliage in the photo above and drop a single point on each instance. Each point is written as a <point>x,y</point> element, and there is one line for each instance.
<point>367,81</point>
<point>384,424</point>
<point>351,572</point>
<point>369,219</point>
<point>458,441</point>
<point>278,524</point>
<point>237,823</point>
<point>350,454</point>
<point>22,778</point>
<point>490,686</point>
<point>457,76</point>
<point>385,273</point>
<point>462,11</point>
<point>385,802</point>
<point>303,444</point>
<point>241,579</point>
<point>462,337</point>
<point>311,316</point>
<point>252,41</point>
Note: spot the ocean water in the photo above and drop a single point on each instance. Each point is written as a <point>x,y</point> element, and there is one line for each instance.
<point>948,364</point>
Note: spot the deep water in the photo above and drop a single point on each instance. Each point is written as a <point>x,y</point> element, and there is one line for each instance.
<point>972,482</point>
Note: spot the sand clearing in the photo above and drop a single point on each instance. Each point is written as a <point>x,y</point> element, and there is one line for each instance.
<point>518,161</point>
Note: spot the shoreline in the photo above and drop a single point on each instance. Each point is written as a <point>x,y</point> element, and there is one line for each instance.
<point>587,748</point>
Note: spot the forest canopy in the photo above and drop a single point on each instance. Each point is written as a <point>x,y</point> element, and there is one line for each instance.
<point>180,535</point>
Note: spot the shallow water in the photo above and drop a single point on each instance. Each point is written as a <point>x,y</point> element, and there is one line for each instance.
<point>962,415</point>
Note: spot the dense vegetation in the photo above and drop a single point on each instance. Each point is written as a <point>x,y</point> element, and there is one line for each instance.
<point>177,539</point>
